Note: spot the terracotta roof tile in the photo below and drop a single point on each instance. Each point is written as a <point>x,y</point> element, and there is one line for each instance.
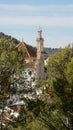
<point>31,50</point>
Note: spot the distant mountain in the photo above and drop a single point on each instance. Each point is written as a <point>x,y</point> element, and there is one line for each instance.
<point>50,51</point>
<point>7,37</point>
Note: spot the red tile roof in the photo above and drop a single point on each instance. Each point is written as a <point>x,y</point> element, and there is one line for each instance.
<point>31,50</point>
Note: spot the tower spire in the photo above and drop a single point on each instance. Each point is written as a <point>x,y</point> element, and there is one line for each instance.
<point>39,33</point>
<point>39,66</point>
<point>40,44</point>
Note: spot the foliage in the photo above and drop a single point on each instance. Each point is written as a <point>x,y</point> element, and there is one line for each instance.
<point>46,110</point>
<point>11,62</point>
<point>55,105</point>
<point>11,66</point>
<point>60,71</point>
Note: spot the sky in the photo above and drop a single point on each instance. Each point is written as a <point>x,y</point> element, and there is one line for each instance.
<point>23,18</point>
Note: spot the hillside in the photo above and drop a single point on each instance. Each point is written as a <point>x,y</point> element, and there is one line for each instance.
<point>8,36</point>
<point>47,51</point>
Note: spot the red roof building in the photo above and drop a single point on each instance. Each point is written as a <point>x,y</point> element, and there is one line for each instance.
<point>30,53</point>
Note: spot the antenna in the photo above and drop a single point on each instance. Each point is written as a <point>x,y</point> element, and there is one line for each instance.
<point>22,39</point>
<point>40,28</point>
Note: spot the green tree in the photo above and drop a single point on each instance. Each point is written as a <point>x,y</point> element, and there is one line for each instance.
<point>11,62</point>
<point>11,66</point>
<point>61,79</point>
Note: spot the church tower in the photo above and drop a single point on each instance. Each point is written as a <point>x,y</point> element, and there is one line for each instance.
<point>40,46</point>
<point>39,66</point>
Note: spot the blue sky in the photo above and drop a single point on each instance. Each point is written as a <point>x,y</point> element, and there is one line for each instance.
<point>22,18</point>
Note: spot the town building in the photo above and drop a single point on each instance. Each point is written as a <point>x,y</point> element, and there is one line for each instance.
<point>35,57</point>
<point>30,55</point>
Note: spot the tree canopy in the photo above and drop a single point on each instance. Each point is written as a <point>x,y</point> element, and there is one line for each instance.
<point>60,71</point>
<point>11,62</point>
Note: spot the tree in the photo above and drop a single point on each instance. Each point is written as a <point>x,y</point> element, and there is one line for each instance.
<point>61,79</point>
<point>11,66</point>
<point>11,62</point>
